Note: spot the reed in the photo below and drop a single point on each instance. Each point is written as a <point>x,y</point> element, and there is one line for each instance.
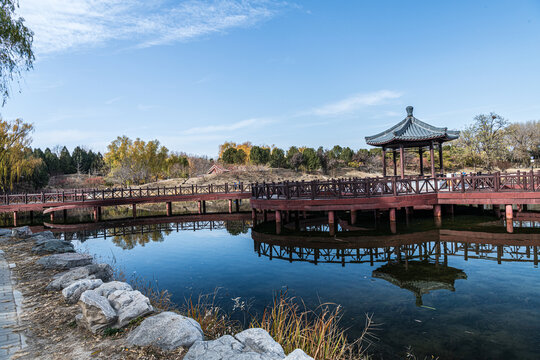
<point>317,332</point>
<point>214,321</point>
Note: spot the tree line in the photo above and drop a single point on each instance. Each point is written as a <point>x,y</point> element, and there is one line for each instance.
<point>490,142</point>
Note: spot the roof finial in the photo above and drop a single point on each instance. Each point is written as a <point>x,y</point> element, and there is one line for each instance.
<point>409,110</point>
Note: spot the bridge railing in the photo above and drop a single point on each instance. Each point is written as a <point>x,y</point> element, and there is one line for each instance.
<point>394,186</point>
<point>81,195</point>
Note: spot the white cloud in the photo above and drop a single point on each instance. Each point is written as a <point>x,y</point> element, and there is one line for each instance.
<point>354,102</point>
<point>227,127</point>
<point>60,25</point>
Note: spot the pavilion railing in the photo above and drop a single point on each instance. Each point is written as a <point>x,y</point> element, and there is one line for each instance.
<point>394,186</point>
<point>81,195</point>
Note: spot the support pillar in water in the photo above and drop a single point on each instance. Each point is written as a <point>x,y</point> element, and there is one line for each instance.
<point>509,226</point>
<point>169,208</point>
<point>392,215</point>
<point>95,214</point>
<point>254,216</point>
<point>134,210</point>
<point>353,217</point>
<point>204,206</point>
<point>52,216</point>
<point>230,206</point>
<point>237,205</point>
<point>509,212</point>
<point>278,222</point>
<point>265,215</point>
<point>437,211</point>
<point>15,215</point>
<point>331,222</point>
<point>199,207</point>
<point>31,216</point>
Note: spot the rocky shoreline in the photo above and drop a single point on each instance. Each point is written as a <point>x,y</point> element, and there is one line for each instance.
<point>92,305</point>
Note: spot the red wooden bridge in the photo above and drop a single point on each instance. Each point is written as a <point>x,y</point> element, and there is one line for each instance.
<point>51,202</point>
<point>379,193</point>
<point>392,193</point>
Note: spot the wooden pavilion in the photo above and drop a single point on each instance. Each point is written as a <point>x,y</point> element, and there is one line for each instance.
<point>412,133</point>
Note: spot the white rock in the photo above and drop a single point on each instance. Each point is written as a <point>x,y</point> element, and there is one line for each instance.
<point>107,288</point>
<point>22,232</point>
<point>73,292</point>
<point>5,232</point>
<point>97,313</point>
<point>129,305</point>
<point>65,261</point>
<point>298,355</point>
<point>259,340</point>
<point>92,271</point>
<point>230,348</point>
<point>167,331</point>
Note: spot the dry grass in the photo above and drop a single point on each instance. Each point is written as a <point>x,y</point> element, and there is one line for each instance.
<point>317,332</point>
<point>213,320</point>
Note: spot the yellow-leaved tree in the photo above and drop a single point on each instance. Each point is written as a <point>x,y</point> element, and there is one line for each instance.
<point>16,160</point>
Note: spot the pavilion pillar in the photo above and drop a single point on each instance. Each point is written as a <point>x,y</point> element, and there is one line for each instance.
<point>384,162</point>
<point>432,160</point>
<point>395,161</point>
<point>421,155</point>
<point>441,158</point>
<point>402,160</point>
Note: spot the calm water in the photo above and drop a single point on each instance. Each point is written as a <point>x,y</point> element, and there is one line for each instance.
<point>464,290</point>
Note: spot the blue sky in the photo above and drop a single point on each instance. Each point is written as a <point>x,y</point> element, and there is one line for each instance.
<point>194,74</point>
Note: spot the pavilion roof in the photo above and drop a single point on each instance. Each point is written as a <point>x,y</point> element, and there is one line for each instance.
<point>411,132</point>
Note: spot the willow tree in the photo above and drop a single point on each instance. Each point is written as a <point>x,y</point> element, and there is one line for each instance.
<point>16,53</point>
<point>16,160</point>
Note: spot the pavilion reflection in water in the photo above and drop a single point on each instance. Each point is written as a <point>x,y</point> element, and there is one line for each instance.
<point>417,262</point>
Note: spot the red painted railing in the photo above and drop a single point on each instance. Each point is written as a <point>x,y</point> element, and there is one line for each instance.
<point>81,195</point>
<point>394,186</point>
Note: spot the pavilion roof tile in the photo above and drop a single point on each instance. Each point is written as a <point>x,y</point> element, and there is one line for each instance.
<point>411,130</point>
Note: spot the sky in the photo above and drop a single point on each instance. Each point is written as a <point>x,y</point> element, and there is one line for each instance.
<point>194,74</point>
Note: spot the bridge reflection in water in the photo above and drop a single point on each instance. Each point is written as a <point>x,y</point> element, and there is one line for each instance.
<point>417,262</point>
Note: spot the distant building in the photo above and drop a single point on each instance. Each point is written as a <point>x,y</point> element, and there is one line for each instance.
<point>216,169</point>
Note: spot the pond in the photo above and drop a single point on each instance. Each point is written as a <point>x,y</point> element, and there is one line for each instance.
<point>461,289</point>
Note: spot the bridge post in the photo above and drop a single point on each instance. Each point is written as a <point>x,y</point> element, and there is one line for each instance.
<point>497,210</point>
<point>437,211</point>
<point>509,212</point>
<point>392,215</point>
<point>169,208</point>
<point>278,222</point>
<point>353,216</point>
<point>331,222</point>
<point>15,213</point>
<point>230,206</point>
<point>134,210</point>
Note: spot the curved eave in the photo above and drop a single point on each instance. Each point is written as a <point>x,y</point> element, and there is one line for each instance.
<point>412,140</point>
